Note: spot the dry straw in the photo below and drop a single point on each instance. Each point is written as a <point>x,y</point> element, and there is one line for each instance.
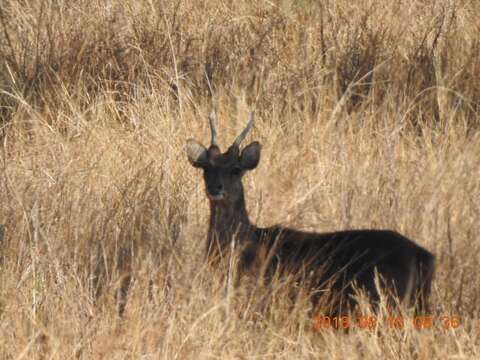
<point>368,116</point>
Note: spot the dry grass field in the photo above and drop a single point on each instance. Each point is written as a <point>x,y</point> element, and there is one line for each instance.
<point>368,113</point>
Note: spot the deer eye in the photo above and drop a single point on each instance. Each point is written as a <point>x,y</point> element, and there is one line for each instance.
<point>236,171</point>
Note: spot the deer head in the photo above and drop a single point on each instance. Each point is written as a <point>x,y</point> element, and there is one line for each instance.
<point>223,172</point>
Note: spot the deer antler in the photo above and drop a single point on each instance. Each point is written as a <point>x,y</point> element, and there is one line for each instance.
<point>212,119</point>
<point>245,131</point>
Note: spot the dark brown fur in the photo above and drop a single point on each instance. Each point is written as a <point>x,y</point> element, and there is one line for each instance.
<point>332,264</point>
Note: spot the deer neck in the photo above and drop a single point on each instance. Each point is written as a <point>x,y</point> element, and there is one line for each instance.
<point>228,222</point>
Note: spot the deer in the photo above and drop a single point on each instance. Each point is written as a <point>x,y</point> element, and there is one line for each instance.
<point>336,264</point>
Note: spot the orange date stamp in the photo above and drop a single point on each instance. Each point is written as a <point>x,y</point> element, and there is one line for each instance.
<point>369,322</point>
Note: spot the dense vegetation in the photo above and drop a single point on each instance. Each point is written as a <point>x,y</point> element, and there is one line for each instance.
<point>368,113</point>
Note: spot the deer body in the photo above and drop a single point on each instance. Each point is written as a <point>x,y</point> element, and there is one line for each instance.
<point>332,263</point>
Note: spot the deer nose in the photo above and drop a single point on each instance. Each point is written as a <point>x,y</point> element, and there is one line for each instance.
<point>215,189</point>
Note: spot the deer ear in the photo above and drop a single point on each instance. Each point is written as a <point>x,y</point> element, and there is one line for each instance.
<point>197,153</point>
<point>250,156</point>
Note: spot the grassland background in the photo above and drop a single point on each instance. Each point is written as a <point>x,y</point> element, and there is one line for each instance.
<point>368,113</point>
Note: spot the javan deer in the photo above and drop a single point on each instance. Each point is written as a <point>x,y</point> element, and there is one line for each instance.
<point>336,263</point>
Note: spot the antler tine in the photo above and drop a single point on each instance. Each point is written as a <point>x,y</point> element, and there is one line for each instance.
<point>212,119</point>
<point>245,131</point>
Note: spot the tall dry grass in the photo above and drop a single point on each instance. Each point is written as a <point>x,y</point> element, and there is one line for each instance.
<point>368,116</point>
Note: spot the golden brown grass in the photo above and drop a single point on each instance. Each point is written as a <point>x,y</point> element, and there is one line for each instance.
<point>368,114</point>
